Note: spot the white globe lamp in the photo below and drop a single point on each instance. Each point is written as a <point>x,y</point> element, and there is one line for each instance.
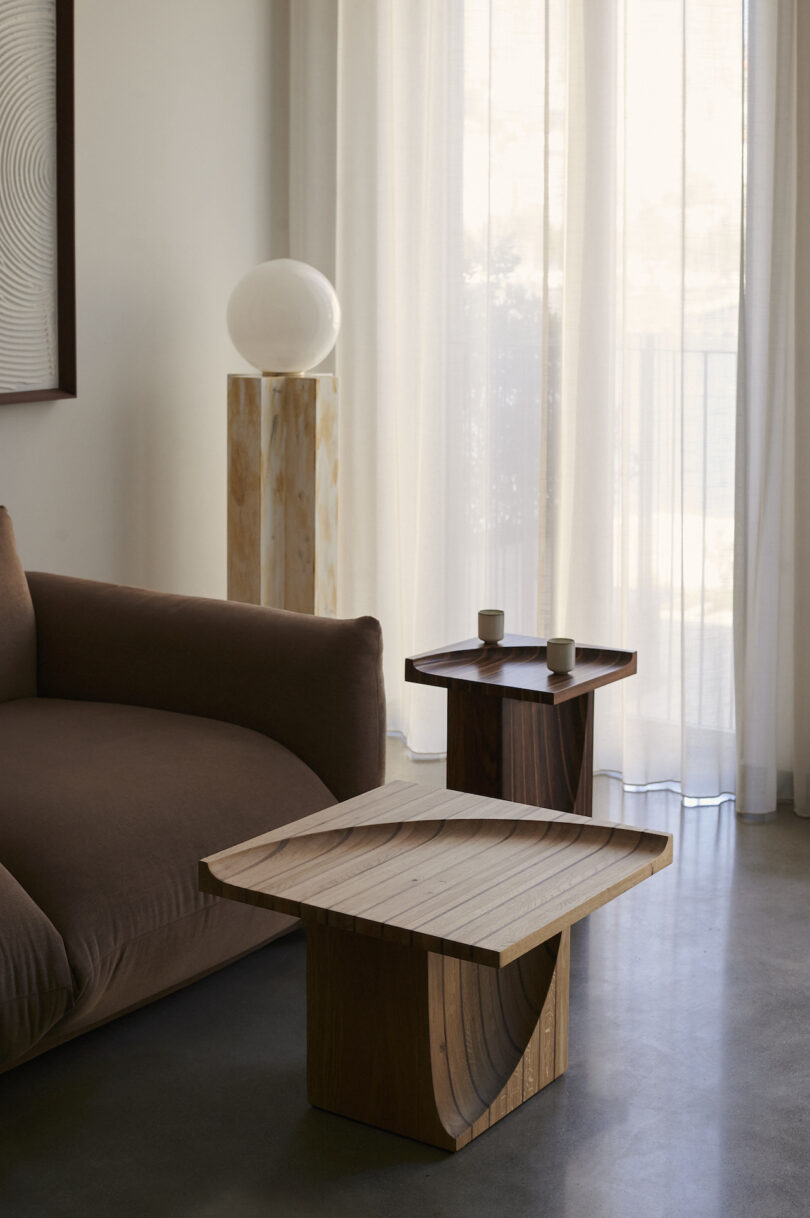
<point>283,317</point>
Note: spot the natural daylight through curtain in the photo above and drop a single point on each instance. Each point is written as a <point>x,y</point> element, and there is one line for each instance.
<point>538,255</point>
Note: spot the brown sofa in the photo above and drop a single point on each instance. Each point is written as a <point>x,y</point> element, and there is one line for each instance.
<point>140,732</point>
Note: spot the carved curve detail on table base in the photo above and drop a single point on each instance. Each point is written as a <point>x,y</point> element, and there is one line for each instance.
<point>490,1047</point>
<point>427,1046</point>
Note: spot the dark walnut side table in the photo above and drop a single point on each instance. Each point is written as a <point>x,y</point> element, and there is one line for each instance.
<point>515,730</point>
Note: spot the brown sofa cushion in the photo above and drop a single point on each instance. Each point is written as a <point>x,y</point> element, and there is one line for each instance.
<point>18,673</point>
<point>35,983</point>
<point>314,684</point>
<point>105,811</point>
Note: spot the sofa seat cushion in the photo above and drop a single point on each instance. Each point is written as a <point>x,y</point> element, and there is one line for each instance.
<point>105,811</point>
<point>35,982</point>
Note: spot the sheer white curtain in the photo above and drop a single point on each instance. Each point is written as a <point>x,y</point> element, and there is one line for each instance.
<point>537,244</point>
<point>399,268</point>
<point>449,238</point>
<point>644,545</point>
<point>449,271</point>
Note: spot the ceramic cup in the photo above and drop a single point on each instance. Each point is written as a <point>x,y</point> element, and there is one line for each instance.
<point>490,625</point>
<point>560,654</point>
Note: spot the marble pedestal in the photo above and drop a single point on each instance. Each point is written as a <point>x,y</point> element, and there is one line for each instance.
<point>282,491</point>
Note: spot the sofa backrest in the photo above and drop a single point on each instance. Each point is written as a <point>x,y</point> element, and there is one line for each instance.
<point>18,646</point>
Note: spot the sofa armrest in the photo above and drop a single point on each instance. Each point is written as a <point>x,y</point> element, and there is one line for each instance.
<point>313,684</point>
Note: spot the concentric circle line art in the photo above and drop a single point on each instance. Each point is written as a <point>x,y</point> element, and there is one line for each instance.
<point>28,243</point>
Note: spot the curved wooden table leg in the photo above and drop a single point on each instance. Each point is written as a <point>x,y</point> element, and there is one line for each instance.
<point>430,1046</point>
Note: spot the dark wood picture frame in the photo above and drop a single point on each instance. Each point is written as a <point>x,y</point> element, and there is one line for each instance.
<point>65,219</point>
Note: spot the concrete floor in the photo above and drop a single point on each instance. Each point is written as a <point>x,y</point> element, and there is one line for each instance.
<point>686,1095</point>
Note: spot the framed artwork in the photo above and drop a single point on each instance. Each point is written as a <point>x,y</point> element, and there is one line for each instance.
<point>37,240</point>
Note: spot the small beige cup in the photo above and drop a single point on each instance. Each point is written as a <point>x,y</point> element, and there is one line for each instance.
<point>560,654</point>
<point>490,625</point>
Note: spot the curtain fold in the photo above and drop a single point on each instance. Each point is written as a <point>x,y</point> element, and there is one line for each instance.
<point>764,568</point>
<point>801,651</point>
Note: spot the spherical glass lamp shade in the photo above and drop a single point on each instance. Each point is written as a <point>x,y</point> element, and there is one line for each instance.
<point>283,317</point>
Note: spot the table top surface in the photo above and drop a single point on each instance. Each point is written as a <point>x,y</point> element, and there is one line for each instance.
<point>481,879</point>
<point>516,668</point>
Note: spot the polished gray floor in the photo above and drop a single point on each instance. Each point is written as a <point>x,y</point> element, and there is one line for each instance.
<point>687,1093</point>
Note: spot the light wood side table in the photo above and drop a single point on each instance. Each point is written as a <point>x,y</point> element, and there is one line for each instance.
<point>435,920</point>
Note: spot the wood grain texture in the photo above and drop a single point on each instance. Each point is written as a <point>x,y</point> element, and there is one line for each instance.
<point>482,888</point>
<point>475,761</point>
<point>486,1036</point>
<point>245,489</point>
<point>438,953</point>
<point>424,1045</point>
<point>548,753</point>
<point>282,492</point>
<point>525,751</point>
<point>515,730</point>
<point>326,497</point>
<point>516,668</point>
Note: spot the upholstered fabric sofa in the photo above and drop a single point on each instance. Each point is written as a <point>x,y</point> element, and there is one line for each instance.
<point>139,732</point>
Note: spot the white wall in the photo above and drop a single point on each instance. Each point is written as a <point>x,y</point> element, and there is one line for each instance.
<point>176,197</point>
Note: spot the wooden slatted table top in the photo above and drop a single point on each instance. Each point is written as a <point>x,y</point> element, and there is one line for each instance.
<point>481,879</point>
<point>516,668</point>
